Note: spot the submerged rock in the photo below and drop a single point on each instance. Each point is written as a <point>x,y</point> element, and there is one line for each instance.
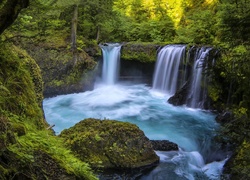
<point>164,145</point>
<point>110,144</point>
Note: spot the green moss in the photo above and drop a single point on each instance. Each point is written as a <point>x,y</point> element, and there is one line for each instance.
<point>109,144</point>
<point>3,172</point>
<point>52,147</point>
<point>142,52</point>
<point>241,163</point>
<point>19,129</point>
<point>23,87</point>
<point>28,149</point>
<point>27,153</point>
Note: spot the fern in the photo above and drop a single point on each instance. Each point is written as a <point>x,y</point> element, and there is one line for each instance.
<point>44,141</point>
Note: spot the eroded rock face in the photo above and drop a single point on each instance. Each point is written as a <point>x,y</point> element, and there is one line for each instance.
<point>110,144</point>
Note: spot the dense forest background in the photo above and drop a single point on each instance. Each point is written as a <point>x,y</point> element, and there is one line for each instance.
<point>78,26</point>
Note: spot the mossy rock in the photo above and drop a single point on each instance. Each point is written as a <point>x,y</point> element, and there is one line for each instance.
<point>63,71</point>
<point>142,52</point>
<point>20,84</point>
<point>110,144</point>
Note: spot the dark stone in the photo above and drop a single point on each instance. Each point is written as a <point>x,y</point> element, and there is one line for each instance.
<point>164,145</point>
<point>180,97</point>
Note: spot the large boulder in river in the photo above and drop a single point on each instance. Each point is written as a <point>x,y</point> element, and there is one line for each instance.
<point>110,144</point>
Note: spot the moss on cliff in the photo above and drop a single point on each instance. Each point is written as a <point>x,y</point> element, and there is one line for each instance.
<point>21,84</point>
<point>143,52</point>
<point>27,149</point>
<point>60,72</point>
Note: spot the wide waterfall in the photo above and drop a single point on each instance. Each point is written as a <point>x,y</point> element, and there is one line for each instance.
<point>111,62</point>
<point>198,89</point>
<point>167,76</point>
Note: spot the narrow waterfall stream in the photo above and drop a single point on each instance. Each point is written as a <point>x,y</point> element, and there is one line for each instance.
<point>111,62</point>
<point>197,90</point>
<point>191,129</point>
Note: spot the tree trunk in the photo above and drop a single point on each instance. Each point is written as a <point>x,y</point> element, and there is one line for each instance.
<point>74,33</point>
<point>98,33</point>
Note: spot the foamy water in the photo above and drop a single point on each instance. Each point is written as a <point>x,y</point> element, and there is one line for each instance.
<point>191,129</point>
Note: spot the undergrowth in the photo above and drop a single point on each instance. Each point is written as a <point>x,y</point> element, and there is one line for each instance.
<point>52,145</point>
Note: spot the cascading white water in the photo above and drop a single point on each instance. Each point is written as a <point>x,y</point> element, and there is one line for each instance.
<point>198,88</point>
<point>111,62</point>
<point>166,75</point>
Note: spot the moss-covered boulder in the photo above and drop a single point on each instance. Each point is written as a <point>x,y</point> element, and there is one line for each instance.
<point>110,144</point>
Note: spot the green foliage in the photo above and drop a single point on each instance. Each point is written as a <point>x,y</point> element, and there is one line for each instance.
<point>234,70</point>
<point>53,146</point>
<point>27,147</point>
<point>214,93</point>
<point>233,21</point>
<point>240,164</point>
<point>198,23</point>
<point>17,70</point>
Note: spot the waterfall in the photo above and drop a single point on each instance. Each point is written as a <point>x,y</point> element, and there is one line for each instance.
<point>198,89</point>
<point>111,62</point>
<point>166,76</point>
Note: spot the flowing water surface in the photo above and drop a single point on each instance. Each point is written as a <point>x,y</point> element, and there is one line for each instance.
<point>191,129</point>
